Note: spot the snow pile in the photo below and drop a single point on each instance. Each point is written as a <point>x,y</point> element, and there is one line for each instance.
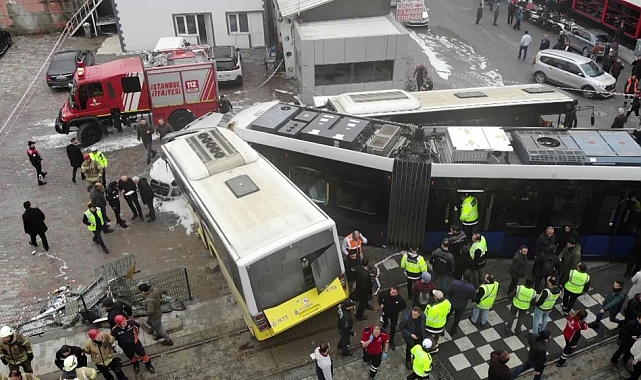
<point>180,209</point>
<point>443,69</point>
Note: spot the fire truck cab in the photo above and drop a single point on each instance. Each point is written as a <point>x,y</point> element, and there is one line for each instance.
<point>177,87</point>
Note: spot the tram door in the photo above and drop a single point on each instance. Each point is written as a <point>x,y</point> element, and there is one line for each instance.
<point>615,225</point>
<point>476,202</point>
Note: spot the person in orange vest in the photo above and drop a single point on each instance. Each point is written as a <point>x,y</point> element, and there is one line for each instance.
<point>355,240</point>
<point>630,88</point>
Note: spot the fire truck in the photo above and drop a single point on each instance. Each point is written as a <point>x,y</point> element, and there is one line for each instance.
<point>178,87</point>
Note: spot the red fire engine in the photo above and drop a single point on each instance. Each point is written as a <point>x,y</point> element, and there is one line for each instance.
<point>177,87</point>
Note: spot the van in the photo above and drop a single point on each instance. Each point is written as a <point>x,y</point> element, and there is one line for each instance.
<point>573,71</point>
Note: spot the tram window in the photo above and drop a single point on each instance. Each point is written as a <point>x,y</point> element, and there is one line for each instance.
<point>354,196</point>
<point>312,182</point>
<point>514,209</point>
<point>288,272</point>
<point>567,210</point>
<point>631,208</point>
<point>607,214</point>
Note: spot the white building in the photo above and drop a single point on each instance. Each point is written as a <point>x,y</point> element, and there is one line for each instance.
<point>213,22</point>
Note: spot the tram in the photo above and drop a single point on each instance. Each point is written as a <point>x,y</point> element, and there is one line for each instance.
<point>401,185</point>
<point>278,251</point>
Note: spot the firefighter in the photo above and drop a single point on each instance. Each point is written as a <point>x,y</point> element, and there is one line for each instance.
<point>102,160</point>
<point>36,160</point>
<point>469,216</point>
<point>413,265</point>
<point>422,361</point>
<point>92,171</point>
<point>126,333</point>
<point>15,350</point>
<point>100,347</point>
<point>355,240</point>
<point>72,371</point>
<point>478,252</point>
<point>436,317</point>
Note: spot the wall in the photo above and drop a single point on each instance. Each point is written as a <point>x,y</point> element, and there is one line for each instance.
<point>141,33</point>
<point>360,49</point>
<point>36,16</point>
<point>342,9</point>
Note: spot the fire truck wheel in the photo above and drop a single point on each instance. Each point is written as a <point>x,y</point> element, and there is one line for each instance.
<point>180,118</point>
<point>89,133</point>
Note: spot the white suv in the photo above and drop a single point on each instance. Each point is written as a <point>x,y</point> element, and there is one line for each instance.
<point>573,71</point>
<point>228,64</point>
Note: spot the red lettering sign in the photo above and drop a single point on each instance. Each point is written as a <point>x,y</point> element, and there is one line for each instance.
<point>409,11</point>
<point>191,86</point>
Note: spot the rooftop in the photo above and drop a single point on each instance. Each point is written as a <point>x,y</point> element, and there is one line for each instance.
<point>289,8</point>
<point>349,28</point>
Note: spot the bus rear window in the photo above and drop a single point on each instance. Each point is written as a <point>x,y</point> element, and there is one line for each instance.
<point>289,272</point>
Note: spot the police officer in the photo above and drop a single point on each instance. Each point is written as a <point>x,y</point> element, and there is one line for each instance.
<point>522,298</point>
<point>578,282</point>
<point>422,361</point>
<point>544,303</point>
<point>101,159</point>
<point>95,221</point>
<point>469,215</point>
<point>345,326</point>
<point>478,251</point>
<point>391,303</point>
<point>485,297</point>
<point>413,265</point>
<point>436,317</point>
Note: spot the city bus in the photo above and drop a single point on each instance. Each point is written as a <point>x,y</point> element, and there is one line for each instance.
<point>402,185</point>
<point>278,251</point>
<point>528,105</point>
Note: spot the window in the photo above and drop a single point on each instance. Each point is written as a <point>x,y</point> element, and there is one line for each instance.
<point>193,25</point>
<point>186,24</point>
<point>567,210</point>
<point>311,182</point>
<point>95,89</point>
<point>354,196</point>
<point>237,23</point>
<point>572,68</point>
<point>289,272</point>
<point>356,72</point>
<point>130,84</point>
<point>592,69</point>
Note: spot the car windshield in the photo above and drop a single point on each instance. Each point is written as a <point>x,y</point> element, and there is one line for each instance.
<point>591,69</point>
<point>603,38</point>
<point>225,64</point>
<point>63,64</point>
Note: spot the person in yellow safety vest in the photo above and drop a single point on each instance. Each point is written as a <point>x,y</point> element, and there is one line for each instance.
<point>485,297</point>
<point>469,215</point>
<point>94,220</point>
<point>522,298</point>
<point>102,160</point>
<point>355,240</point>
<point>413,265</point>
<point>544,303</point>
<point>578,282</point>
<point>478,252</point>
<point>422,361</point>
<point>436,317</point>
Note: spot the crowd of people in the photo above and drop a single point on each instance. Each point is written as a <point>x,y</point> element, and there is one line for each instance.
<point>93,166</point>
<point>440,286</point>
<point>17,353</point>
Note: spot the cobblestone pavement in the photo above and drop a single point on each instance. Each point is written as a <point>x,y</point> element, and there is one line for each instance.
<point>163,244</point>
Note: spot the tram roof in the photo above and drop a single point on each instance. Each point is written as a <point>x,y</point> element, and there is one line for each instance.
<point>268,215</point>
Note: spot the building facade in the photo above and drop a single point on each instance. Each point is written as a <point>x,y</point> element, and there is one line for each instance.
<point>216,23</point>
<point>337,46</point>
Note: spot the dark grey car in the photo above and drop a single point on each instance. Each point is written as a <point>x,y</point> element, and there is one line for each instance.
<point>584,40</point>
<point>64,64</point>
<point>5,41</point>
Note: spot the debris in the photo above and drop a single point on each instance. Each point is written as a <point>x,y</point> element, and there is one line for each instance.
<point>212,266</point>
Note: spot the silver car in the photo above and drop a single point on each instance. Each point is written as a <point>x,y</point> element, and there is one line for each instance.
<point>573,71</point>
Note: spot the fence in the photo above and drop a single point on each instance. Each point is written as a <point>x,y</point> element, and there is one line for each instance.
<point>64,308</point>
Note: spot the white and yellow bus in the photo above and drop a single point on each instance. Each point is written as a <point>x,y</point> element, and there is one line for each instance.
<point>278,251</point>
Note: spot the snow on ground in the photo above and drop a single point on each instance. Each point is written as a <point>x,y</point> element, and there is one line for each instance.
<point>112,142</point>
<point>443,69</point>
<point>180,209</point>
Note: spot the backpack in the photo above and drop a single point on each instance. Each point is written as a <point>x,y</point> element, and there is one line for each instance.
<point>423,298</point>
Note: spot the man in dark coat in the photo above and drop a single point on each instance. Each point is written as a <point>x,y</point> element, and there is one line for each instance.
<point>545,43</point>
<point>363,292</point>
<point>116,308</point>
<point>113,197</point>
<point>479,13</point>
<point>34,225</point>
<point>65,351</point>
<point>629,334</point>
<point>545,248</point>
<point>462,292</point>
<point>392,304</point>
<point>145,133</point>
<point>345,326</point>
<point>518,267</point>
<point>224,105</point>
<point>633,308</point>
<point>75,158</point>
<point>128,189</point>
<point>413,329</point>
<point>496,14</point>
<point>147,196</point>
<point>498,369</point>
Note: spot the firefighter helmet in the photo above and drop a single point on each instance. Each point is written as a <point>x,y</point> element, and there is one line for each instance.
<point>6,331</point>
<point>120,319</point>
<point>93,333</point>
<point>70,363</point>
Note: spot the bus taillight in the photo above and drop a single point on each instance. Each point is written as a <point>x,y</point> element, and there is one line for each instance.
<point>341,278</point>
<point>261,321</point>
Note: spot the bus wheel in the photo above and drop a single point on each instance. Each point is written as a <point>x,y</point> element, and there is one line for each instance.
<point>89,133</point>
<point>180,118</point>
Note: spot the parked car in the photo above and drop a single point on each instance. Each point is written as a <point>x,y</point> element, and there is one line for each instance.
<point>228,64</point>
<point>64,64</point>
<point>572,70</point>
<point>584,40</point>
<point>422,22</point>
<point>5,41</point>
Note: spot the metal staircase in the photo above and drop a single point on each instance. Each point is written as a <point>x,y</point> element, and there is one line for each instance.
<point>87,10</point>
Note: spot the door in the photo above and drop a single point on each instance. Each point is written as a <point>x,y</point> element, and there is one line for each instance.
<point>326,268</point>
<point>556,70</point>
<point>256,30</point>
<point>573,76</point>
